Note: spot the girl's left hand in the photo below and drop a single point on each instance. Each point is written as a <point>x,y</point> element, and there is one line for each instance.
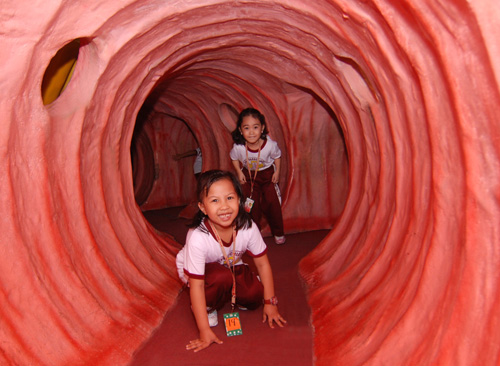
<point>271,314</point>
<point>206,339</point>
<point>276,178</point>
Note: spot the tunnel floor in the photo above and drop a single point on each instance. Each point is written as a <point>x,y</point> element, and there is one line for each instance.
<point>258,345</point>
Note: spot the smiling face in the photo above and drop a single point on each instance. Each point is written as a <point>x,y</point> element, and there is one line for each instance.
<point>221,205</point>
<point>251,129</point>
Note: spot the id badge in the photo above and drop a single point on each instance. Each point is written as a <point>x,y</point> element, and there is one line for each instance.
<point>233,324</point>
<point>249,204</point>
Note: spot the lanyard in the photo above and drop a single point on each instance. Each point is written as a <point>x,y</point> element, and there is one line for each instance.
<point>252,181</point>
<point>233,290</point>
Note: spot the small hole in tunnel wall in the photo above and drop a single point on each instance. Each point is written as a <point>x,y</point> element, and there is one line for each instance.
<point>59,72</point>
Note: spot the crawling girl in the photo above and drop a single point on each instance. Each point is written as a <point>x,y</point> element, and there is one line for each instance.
<point>211,261</point>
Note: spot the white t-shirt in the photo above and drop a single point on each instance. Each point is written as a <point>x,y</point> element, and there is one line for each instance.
<point>202,247</point>
<point>269,151</point>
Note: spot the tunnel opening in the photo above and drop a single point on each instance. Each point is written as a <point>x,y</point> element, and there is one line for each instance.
<point>163,152</point>
<point>324,153</point>
<point>203,80</point>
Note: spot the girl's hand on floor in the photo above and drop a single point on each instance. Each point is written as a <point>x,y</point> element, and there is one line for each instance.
<point>205,340</point>
<point>271,314</point>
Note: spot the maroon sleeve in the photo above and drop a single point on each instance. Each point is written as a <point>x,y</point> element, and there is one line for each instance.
<point>195,276</point>
<point>257,255</point>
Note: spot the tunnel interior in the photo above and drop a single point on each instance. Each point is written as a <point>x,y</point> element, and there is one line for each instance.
<point>371,103</point>
<point>160,181</point>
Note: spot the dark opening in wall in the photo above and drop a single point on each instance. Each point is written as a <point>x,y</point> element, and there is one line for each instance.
<point>59,72</point>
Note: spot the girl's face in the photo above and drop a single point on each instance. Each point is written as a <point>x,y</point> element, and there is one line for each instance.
<point>221,204</point>
<point>251,129</point>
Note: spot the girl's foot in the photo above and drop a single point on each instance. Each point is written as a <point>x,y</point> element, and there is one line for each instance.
<point>212,318</point>
<point>280,239</point>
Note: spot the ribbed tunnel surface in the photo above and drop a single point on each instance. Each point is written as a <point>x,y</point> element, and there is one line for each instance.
<point>409,272</point>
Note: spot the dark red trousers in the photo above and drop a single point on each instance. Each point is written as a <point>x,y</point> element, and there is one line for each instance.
<point>266,200</point>
<point>219,282</point>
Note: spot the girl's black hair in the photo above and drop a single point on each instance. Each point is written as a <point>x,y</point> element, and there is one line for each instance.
<point>236,134</point>
<point>205,181</point>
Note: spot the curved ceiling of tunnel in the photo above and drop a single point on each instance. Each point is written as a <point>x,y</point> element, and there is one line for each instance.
<point>206,79</point>
<point>415,88</point>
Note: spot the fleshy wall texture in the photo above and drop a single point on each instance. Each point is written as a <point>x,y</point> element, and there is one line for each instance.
<point>387,112</point>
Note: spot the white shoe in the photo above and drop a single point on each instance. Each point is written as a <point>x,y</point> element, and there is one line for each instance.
<point>212,318</point>
<point>280,239</point>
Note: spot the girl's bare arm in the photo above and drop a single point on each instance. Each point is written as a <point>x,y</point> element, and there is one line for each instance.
<point>270,312</point>
<point>237,168</point>
<point>277,169</point>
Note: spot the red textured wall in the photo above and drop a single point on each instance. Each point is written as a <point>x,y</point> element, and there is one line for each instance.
<point>409,272</point>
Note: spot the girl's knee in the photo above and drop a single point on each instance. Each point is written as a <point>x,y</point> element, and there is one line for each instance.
<point>251,298</point>
<point>250,293</point>
<point>216,273</point>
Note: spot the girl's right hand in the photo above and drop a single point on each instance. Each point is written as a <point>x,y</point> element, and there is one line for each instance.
<point>242,178</point>
<point>206,339</point>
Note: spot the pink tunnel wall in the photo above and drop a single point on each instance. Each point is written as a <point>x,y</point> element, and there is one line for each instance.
<point>408,274</point>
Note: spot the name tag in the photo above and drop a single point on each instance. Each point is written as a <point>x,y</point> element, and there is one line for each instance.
<point>233,324</point>
<point>249,204</point>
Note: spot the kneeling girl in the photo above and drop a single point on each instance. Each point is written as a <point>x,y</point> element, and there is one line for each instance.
<point>221,233</point>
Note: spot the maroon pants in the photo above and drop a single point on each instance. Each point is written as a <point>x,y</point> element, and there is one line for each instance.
<point>266,200</point>
<point>219,282</point>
